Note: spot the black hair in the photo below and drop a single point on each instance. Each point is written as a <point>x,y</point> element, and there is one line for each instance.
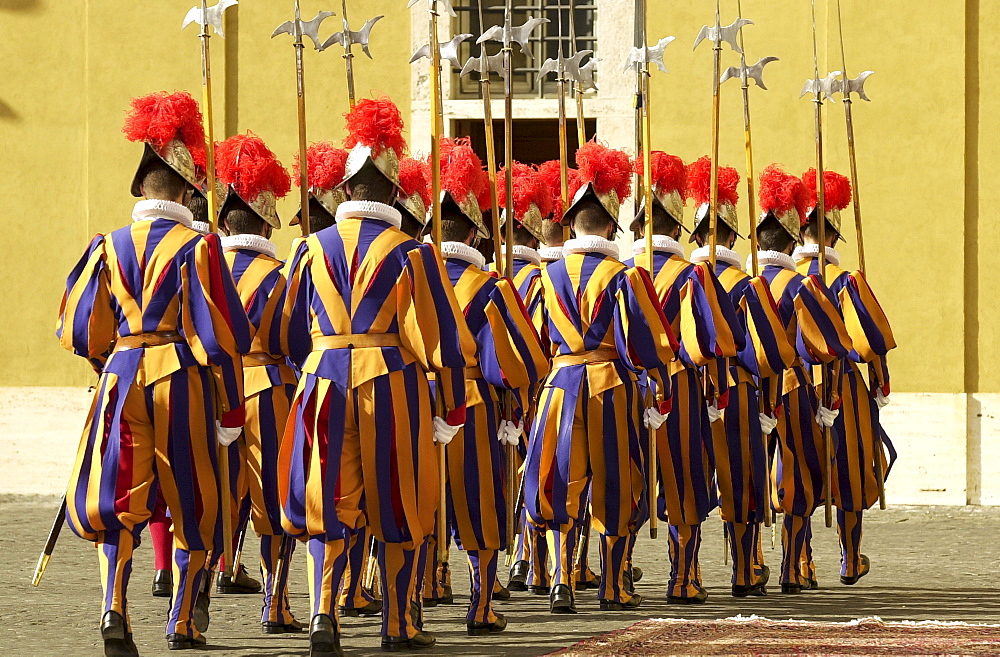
<point>409,225</point>
<point>370,184</point>
<point>523,237</point>
<point>455,226</point>
<point>811,229</point>
<point>590,217</point>
<point>552,232</point>
<point>319,216</point>
<point>771,235</point>
<point>198,205</point>
<point>239,219</point>
<point>702,232</point>
<point>160,181</point>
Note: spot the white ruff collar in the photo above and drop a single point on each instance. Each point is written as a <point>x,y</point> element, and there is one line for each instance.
<point>202,227</point>
<point>522,252</point>
<point>812,251</point>
<point>775,258</point>
<point>159,209</point>
<point>728,256</point>
<point>591,244</point>
<point>661,244</point>
<point>369,210</point>
<point>462,251</point>
<point>550,253</point>
<point>256,243</point>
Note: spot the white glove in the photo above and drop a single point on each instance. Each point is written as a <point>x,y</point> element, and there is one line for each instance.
<point>714,414</point>
<point>510,433</point>
<point>881,399</point>
<point>826,417</point>
<point>653,418</point>
<point>444,432</point>
<point>767,423</point>
<point>226,435</point>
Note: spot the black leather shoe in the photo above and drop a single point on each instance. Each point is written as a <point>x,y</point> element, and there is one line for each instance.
<point>447,596</point>
<point>163,584</point>
<point>184,642</point>
<point>791,588</point>
<point>475,628</point>
<point>421,641</point>
<point>430,602</point>
<point>561,600</point>
<point>765,575</point>
<point>614,605</point>
<point>241,583</point>
<point>272,627</point>
<point>866,566</point>
<point>697,599</point>
<point>117,639</point>
<point>584,584</point>
<point>324,639</point>
<point>201,616</point>
<point>372,608</point>
<point>518,576</point>
<point>755,589</point>
<point>636,573</point>
<point>538,590</point>
<point>811,586</point>
<point>501,593</point>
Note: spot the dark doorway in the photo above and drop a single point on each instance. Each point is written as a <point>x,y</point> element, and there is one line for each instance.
<point>535,140</point>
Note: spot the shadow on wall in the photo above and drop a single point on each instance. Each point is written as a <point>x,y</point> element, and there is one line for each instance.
<point>21,5</point>
<point>7,113</point>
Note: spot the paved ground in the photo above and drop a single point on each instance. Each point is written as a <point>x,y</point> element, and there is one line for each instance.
<point>928,563</point>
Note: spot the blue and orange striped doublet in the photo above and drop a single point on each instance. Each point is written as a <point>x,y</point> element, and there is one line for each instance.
<point>860,435</point>
<point>367,313</point>
<point>701,315</point>
<point>154,308</point>
<point>510,357</point>
<point>813,324</point>
<point>740,447</point>
<point>269,385</point>
<point>604,327</point>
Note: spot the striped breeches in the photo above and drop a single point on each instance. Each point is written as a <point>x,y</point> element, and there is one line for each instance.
<point>799,473</point>
<point>859,443</point>
<point>741,458</point>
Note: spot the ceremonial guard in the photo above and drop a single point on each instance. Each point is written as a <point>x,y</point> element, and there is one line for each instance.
<point>860,437</point>
<point>368,312</point>
<point>739,437</point>
<point>604,326</point>
<point>812,322</point>
<point>510,358</point>
<point>153,307</point>
<point>701,315</point>
<point>414,195</point>
<point>254,180</point>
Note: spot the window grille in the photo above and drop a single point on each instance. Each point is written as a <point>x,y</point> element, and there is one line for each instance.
<point>543,44</point>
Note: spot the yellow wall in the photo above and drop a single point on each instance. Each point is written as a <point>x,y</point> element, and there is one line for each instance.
<point>926,148</point>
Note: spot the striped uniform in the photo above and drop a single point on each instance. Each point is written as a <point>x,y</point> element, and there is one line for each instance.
<point>269,384</point>
<point>860,435</point>
<point>812,321</point>
<point>368,312</point>
<point>604,326</point>
<point>740,448</point>
<point>151,426</point>
<point>510,357</point>
<point>701,315</point>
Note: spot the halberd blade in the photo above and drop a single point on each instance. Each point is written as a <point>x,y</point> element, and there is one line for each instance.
<point>822,88</point>
<point>755,72</point>
<point>725,34</point>
<point>214,16</point>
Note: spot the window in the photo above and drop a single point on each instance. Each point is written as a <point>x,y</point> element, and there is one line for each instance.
<point>543,44</point>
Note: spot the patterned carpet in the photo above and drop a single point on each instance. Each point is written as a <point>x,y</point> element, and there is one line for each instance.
<point>759,636</point>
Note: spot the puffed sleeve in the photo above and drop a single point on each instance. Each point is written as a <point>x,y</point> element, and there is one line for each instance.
<point>822,336</point>
<point>642,333</point>
<point>868,327</point>
<point>86,324</point>
<point>294,339</point>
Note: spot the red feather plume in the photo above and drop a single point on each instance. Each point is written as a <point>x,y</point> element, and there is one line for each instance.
<point>528,188</point>
<point>608,169</point>
<point>549,174</point>
<point>669,172</point>
<point>415,178</point>
<point>158,118</point>
<point>244,162</point>
<point>376,123</point>
<point>327,165</point>
<point>699,182</point>
<point>462,172</point>
<point>780,192</point>
<point>836,189</point>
